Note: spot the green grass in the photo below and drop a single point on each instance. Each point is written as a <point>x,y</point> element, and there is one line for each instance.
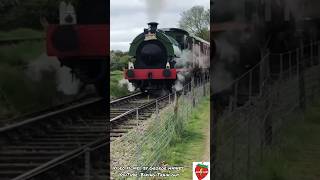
<point>115,89</point>
<point>20,34</point>
<point>23,94</point>
<point>20,54</point>
<point>299,154</point>
<point>192,144</point>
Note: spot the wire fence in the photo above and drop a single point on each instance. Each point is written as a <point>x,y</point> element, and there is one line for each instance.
<point>145,145</point>
<point>251,111</point>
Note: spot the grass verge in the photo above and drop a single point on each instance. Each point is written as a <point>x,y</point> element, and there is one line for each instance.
<point>115,89</point>
<point>192,146</point>
<point>20,34</point>
<point>299,154</point>
<point>20,54</point>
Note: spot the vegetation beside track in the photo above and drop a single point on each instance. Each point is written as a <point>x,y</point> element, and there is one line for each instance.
<point>298,156</point>
<point>21,92</point>
<point>21,33</point>
<point>116,88</point>
<point>154,142</point>
<point>192,144</point>
<point>18,55</point>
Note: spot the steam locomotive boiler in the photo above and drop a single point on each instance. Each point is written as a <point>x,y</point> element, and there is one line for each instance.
<point>80,40</point>
<point>158,58</point>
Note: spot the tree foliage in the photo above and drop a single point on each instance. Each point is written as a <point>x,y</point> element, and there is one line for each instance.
<point>197,21</point>
<point>119,60</point>
<point>26,14</point>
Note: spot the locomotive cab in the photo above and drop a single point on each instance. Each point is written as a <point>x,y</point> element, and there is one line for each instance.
<point>180,35</point>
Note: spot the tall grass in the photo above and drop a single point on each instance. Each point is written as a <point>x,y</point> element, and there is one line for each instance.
<point>20,55</point>
<point>191,144</point>
<point>164,137</point>
<point>115,89</point>
<point>297,157</point>
<point>21,93</point>
<point>20,33</point>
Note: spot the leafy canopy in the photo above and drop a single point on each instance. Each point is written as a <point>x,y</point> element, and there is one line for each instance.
<point>197,21</point>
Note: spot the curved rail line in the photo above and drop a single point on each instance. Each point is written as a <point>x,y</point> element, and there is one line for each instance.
<point>127,115</point>
<point>71,141</point>
<point>37,144</point>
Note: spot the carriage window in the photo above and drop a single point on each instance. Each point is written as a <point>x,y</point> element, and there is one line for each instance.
<point>201,47</point>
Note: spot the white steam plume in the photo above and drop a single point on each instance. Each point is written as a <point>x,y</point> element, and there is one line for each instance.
<point>184,62</point>
<point>127,84</point>
<point>65,83</point>
<point>154,8</point>
<point>221,78</point>
<point>226,54</point>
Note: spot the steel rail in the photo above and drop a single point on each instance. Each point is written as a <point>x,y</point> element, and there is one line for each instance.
<point>138,108</point>
<point>49,115</point>
<point>63,159</point>
<point>126,98</point>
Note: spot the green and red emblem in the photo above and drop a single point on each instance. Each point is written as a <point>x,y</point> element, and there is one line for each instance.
<point>201,171</point>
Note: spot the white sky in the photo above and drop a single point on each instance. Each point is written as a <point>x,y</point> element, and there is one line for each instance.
<point>130,17</point>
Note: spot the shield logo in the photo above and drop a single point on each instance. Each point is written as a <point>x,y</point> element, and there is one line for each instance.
<point>201,171</point>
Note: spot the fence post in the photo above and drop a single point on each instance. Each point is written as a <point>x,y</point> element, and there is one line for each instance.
<point>204,86</point>
<point>311,53</point>
<point>235,100</point>
<point>261,77</point>
<point>137,116</point>
<point>249,147</point>
<point>157,108</point>
<point>281,66</point>
<point>301,81</point>
<point>170,97</point>
<point>318,53</point>
<point>250,86</point>
<point>193,92</point>
<point>87,164</point>
<point>261,141</point>
<point>298,61</point>
<point>290,64</point>
<point>233,156</point>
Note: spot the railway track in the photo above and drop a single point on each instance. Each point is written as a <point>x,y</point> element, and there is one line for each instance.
<point>126,114</point>
<point>61,142</point>
<point>71,142</point>
<point>45,110</point>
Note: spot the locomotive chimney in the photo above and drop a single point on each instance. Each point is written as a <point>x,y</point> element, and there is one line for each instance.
<point>153,26</point>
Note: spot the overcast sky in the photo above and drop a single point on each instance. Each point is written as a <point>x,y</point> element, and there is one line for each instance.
<point>129,17</point>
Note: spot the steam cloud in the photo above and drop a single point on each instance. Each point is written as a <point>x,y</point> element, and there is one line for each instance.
<point>154,8</point>
<point>185,61</point>
<point>65,83</point>
<point>127,84</point>
<point>226,54</point>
